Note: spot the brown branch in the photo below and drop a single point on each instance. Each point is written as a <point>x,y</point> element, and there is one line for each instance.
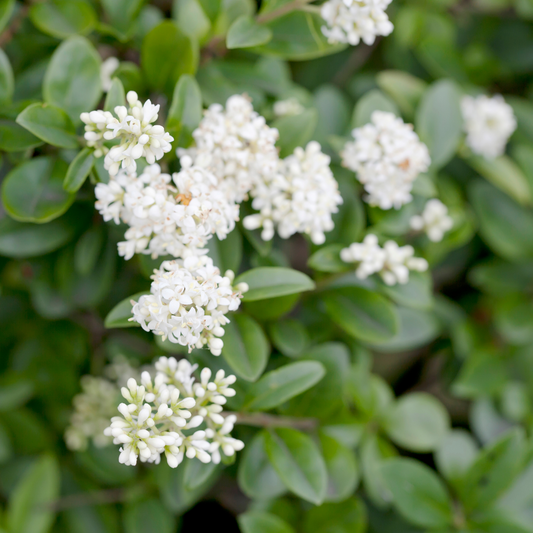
<point>272,421</point>
<point>87,498</point>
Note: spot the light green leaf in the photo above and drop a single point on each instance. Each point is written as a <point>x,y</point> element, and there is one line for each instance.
<point>262,522</point>
<point>416,293</point>
<point>439,122</point>
<point>364,314</point>
<point>246,347</point>
<point>7,81</point>
<point>455,453</point>
<point>271,282</point>
<point>418,493</point>
<point>15,138</point>
<point>295,131</point>
<point>185,111</point>
<point>78,170</point>
<point>115,96</point>
<point>404,88</point>
<point>372,101</point>
<point>28,511</point>
<point>192,18</point>
<point>119,316</point>
<point>278,386</point>
<point>257,477</point>
<point>63,18</point>
<point>245,32</point>
<point>348,516</point>
<point>327,259</point>
<point>122,16</point>
<point>72,79</point>
<point>148,515</point>
<point>33,191</point>
<point>417,422</point>
<point>50,123</point>
<point>289,336</point>
<point>298,462</point>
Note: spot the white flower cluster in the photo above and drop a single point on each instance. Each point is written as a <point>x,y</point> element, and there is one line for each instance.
<point>392,262</point>
<point>167,215</point>
<point>162,415</point>
<point>434,220</point>
<point>188,303</point>
<point>387,156</point>
<point>488,122</point>
<point>350,21</point>
<point>299,198</point>
<point>238,144</point>
<point>134,127</point>
<point>288,108</point>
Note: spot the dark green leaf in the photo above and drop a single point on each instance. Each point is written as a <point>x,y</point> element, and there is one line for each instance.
<point>14,394</point>
<point>148,515</point>
<point>289,336</point>
<point>197,473</point>
<point>416,293</point>
<point>374,100</point>
<point>78,170</point>
<point>327,259</point>
<point>119,316</point>
<point>6,8</point>
<point>298,463</point>
<point>122,15</point>
<point>245,32</point>
<point>295,131</point>
<point>261,522</point>
<point>15,138</point>
<point>346,517</point>
<point>88,250</point>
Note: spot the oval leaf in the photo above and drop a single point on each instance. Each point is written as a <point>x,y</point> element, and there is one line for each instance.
<point>295,131</point>
<point>245,32</point>
<point>78,170</point>
<point>261,522</point>
<point>15,138</point>
<point>119,316</point>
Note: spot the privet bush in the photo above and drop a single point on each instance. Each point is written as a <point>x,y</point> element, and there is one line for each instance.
<point>316,222</point>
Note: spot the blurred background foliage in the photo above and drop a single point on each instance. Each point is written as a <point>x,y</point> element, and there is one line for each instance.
<point>458,351</point>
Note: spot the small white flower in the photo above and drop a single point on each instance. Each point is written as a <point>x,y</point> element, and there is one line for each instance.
<point>289,107</point>
<point>350,21</point>
<point>434,220</point>
<point>299,198</point>
<point>387,156</point>
<point>488,122</point>
<point>108,68</point>
<point>369,255</point>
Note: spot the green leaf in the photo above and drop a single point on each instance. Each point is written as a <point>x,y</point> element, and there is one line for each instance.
<point>33,191</point>
<point>342,468</point>
<point>262,522</point>
<point>439,122</point>
<point>63,18</point>
<point>504,224</point>
<point>245,32</point>
<point>493,471</point>
<point>22,240</point>
<point>246,347</point>
<point>50,123</point>
<point>197,473</point>
<point>72,79</point>
<point>7,81</point>
<point>362,313</point>
<point>28,512</point>
<point>278,386</point>
<point>372,101</point>
<point>416,293</point>
<point>160,48</point>
<point>6,8</point>
<point>272,308</point>
<point>257,477</point>
<point>13,394</point>
<point>417,422</point>
<point>345,517</point>
<point>505,174</point>
<point>298,463</point>
<point>418,494</point>
<point>78,170</point>
<point>115,96</point>
<point>119,316</point>
<point>289,336</point>
<point>15,138</point>
<point>185,111</point>
<point>148,515</point>
<point>271,282</point>
<point>122,16</point>
<point>327,259</point>
<point>404,88</point>
<point>295,131</point>
<point>455,453</point>
<point>192,18</point>
<point>88,250</point>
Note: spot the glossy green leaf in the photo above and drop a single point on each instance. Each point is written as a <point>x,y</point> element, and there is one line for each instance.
<point>417,422</point>
<point>327,259</point>
<point>363,314</point>
<point>374,100</point>
<point>416,293</point>
<point>278,386</point>
<point>289,336</point>
<point>72,79</point>
<point>63,18</point>
<point>348,516</point>
<point>115,96</point>
<point>7,81</point>
<point>418,493</point>
<point>257,477</point>
<point>33,191</point>
<point>271,282</point>
<point>246,347</point>
<point>50,124</point>
<point>78,170</point>
<point>298,462</point>
<point>15,138</point>
<point>148,515</point>
<point>28,511</point>
<point>119,316</point>
<point>185,111</point>
<point>439,122</point>
<point>245,32</point>
<point>122,15</point>
<point>262,522</point>
<point>295,131</point>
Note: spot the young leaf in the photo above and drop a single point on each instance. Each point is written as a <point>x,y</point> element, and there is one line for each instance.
<point>245,32</point>
<point>278,386</point>
<point>246,347</point>
<point>271,282</point>
<point>362,313</point>
<point>257,477</point>
<point>33,191</point>
<point>72,79</point>
<point>418,493</point>
<point>262,522</point>
<point>78,170</point>
<point>119,316</point>
<point>298,463</point>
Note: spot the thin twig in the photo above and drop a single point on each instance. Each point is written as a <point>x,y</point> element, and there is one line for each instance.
<point>271,421</point>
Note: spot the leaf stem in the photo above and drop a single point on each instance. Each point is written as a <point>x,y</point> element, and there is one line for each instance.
<point>269,421</point>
